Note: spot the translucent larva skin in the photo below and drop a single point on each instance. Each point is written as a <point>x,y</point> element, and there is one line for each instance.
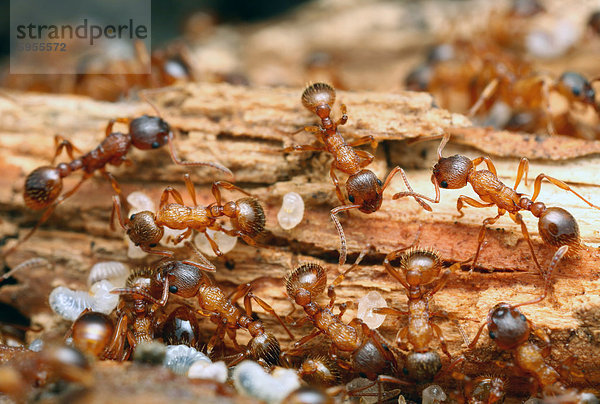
<point>69,304</point>
<point>366,305</point>
<point>292,211</point>
<point>180,358</point>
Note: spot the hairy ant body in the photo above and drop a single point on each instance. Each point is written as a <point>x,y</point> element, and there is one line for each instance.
<point>510,330</point>
<point>481,389</point>
<point>556,226</point>
<point>145,229</point>
<point>43,186</point>
<point>364,189</point>
<point>370,355</point>
<point>420,268</point>
<point>187,281</point>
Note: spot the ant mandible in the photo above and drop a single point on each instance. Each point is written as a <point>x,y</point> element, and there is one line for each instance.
<point>420,268</point>
<point>145,229</point>
<point>364,189</point>
<point>43,186</point>
<point>556,226</point>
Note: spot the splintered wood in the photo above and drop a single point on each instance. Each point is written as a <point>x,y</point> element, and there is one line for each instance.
<point>245,129</point>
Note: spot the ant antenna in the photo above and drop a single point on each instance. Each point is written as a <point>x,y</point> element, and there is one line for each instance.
<point>443,143</point>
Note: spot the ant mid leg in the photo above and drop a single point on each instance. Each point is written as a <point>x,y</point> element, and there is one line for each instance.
<point>61,143</point>
<point>537,186</point>
<point>481,237</point>
<point>216,189</point>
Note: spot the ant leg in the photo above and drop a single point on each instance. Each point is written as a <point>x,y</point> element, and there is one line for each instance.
<point>115,348</point>
<point>366,156</point>
<point>518,219</point>
<point>440,336</point>
<point>336,182</point>
<point>111,123</point>
<point>402,338</point>
<point>205,263</point>
<point>340,229</point>
<point>303,147</point>
<point>190,188</point>
<point>307,338</point>
<point>522,170</point>
<point>269,310</point>
<point>61,143</point>
<point>344,118</point>
<point>231,333</point>
<point>216,189</point>
<point>340,278</point>
<point>488,162</point>
<point>474,342</point>
<point>213,245</point>
<point>481,237</point>
<point>164,198</point>
<point>113,181</point>
<point>364,140</point>
<point>176,160</point>
<point>537,186</point>
<point>410,192</point>
<point>462,200</point>
<point>116,209</point>
<point>183,236</point>
<point>486,94</point>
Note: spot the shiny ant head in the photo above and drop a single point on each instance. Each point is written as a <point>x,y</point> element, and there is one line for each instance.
<point>143,230</point>
<point>305,283</point>
<point>91,332</point>
<point>318,98</point>
<point>364,189</point>
<point>247,215</point>
<point>422,366</point>
<point>558,227</point>
<point>420,266</point>
<point>452,172</point>
<point>42,186</point>
<point>488,390</point>
<point>574,85</point>
<point>507,326</point>
<point>184,279</point>
<point>419,79</point>
<point>149,132</point>
<point>266,347</point>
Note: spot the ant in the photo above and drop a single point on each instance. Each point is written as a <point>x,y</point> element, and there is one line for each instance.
<point>556,226</point>
<point>43,186</point>
<point>481,389</point>
<point>146,229</point>
<point>369,353</point>
<point>185,280</point>
<point>510,330</point>
<point>420,268</point>
<point>364,189</point>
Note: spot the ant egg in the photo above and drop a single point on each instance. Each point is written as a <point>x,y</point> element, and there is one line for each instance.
<point>102,300</point>
<point>69,303</point>
<point>249,378</point>
<point>291,212</point>
<point>179,358</point>
<point>139,201</point>
<point>224,241</point>
<point>114,271</point>
<point>211,371</point>
<point>433,395</point>
<point>366,304</point>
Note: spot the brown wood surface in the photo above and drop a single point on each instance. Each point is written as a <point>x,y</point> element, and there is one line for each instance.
<point>245,129</point>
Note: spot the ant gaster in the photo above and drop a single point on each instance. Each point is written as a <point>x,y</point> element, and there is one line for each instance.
<point>145,229</point>
<point>364,189</point>
<point>43,186</point>
<point>556,226</point>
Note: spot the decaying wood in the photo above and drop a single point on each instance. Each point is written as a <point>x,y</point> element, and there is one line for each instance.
<point>245,129</point>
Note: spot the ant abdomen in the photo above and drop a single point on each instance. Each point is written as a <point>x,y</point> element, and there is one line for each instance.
<point>42,186</point>
<point>143,229</point>
<point>422,366</point>
<point>266,347</point>
<point>364,188</point>
<point>181,328</point>
<point>452,172</point>
<point>249,217</point>
<point>318,94</point>
<point>370,360</point>
<point>92,332</point>
<point>149,132</point>
<point>308,279</point>
<point>558,227</point>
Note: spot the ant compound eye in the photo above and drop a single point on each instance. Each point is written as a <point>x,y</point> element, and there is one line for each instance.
<point>523,318</point>
<point>155,145</point>
<point>152,245</point>
<point>492,335</point>
<point>379,182</point>
<point>444,184</point>
<point>576,91</point>
<point>173,289</point>
<point>351,198</point>
<point>132,217</point>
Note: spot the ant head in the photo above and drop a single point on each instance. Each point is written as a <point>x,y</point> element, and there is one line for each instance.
<point>306,282</point>
<point>452,172</point>
<point>247,215</point>
<point>419,78</point>
<point>558,227</point>
<point>364,189</point>
<point>420,266</point>
<point>574,85</point>
<point>42,186</point>
<point>184,279</point>
<point>507,326</point>
<point>92,332</point>
<point>422,366</point>
<point>266,347</point>
<point>318,98</point>
<point>143,230</point>
<point>149,132</point>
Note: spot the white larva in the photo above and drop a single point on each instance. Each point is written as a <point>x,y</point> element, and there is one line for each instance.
<point>179,358</point>
<point>291,212</point>
<point>102,300</point>
<point>250,378</point>
<point>366,305</point>
<point>69,303</point>
<point>114,271</point>
<point>433,394</point>
<point>212,371</point>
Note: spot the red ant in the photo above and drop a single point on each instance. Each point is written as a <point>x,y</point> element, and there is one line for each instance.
<point>145,229</point>
<point>510,330</point>
<point>369,353</point>
<point>556,226</point>
<point>43,186</point>
<point>364,189</point>
<point>420,268</point>
<point>185,280</point>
